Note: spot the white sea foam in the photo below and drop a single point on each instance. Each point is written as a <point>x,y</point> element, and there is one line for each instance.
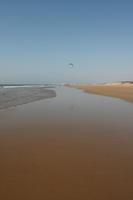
<point>27,86</point>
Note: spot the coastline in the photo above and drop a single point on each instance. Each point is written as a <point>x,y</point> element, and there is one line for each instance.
<point>121,90</point>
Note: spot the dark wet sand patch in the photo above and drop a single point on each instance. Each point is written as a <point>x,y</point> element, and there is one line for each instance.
<point>18,96</point>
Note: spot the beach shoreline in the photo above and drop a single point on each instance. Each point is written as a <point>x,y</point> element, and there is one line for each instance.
<point>121,90</point>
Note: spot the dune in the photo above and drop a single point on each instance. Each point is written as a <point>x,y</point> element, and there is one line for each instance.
<point>122,90</point>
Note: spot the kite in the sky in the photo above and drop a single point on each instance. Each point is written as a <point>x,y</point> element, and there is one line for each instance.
<point>71,65</point>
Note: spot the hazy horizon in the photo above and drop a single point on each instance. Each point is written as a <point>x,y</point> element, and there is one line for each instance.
<point>39,40</point>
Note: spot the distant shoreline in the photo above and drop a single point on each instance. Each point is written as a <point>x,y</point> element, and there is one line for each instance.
<point>121,90</point>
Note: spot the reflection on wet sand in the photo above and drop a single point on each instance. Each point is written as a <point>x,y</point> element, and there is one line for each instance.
<point>75,146</point>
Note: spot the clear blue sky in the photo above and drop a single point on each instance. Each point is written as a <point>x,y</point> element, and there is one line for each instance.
<point>39,38</point>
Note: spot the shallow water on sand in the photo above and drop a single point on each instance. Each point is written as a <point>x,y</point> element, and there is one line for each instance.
<point>74,146</point>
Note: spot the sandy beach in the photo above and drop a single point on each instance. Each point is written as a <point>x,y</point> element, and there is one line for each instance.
<point>122,90</point>
<point>63,134</point>
<point>74,146</point>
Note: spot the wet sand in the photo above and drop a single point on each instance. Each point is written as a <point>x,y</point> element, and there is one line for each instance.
<point>75,146</point>
<point>122,90</point>
<point>15,96</point>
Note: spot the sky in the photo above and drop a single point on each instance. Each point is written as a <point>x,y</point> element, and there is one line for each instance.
<point>39,38</point>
